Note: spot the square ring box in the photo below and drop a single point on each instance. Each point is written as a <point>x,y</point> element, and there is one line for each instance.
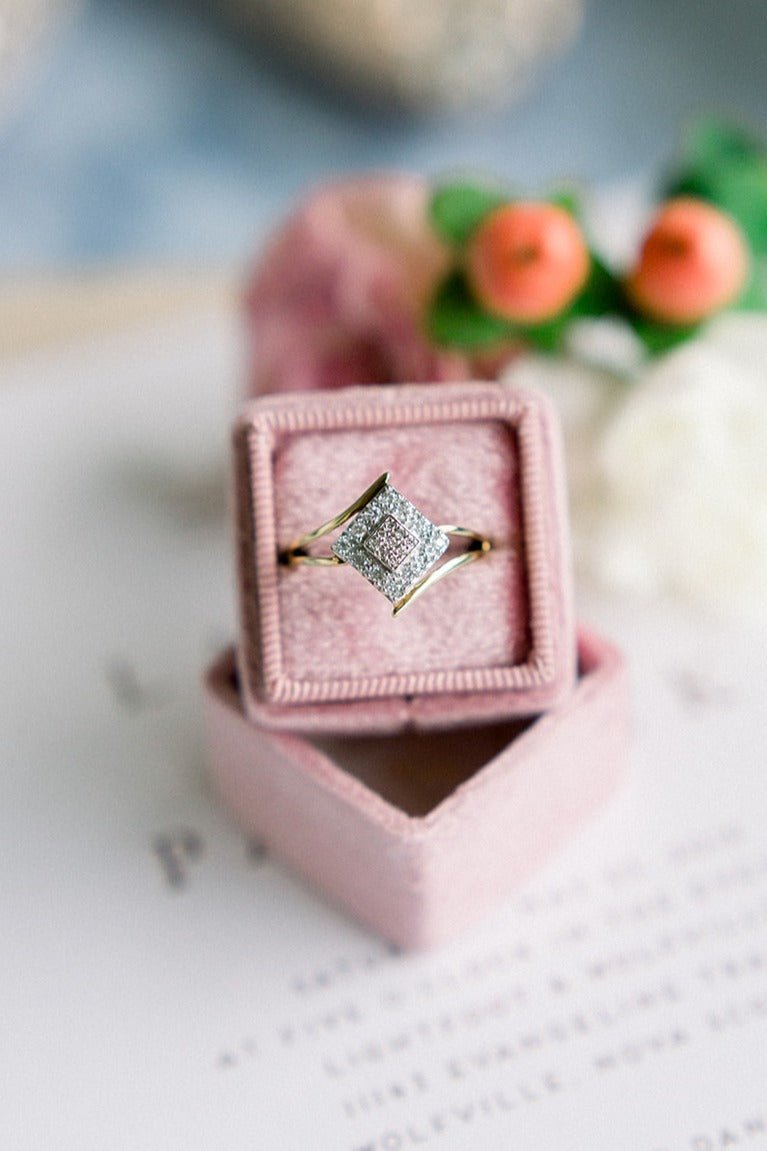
<point>417,768</point>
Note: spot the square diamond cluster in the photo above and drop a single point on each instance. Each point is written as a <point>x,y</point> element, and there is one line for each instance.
<point>391,544</point>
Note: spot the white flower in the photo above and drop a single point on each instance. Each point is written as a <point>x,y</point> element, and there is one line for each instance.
<point>668,471</point>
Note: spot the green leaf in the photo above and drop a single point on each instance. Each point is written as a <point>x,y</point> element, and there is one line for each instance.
<point>457,209</point>
<point>727,167</point>
<point>546,337</point>
<point>456,320</point>
<point>602,294</point>
<point>658,338</point>
<point>743,193</point>
<point>566,198</point>
<point>714,142</point>
<point>753,298</point>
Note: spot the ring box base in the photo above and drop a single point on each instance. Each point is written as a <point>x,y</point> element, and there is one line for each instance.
<point>419,833</point>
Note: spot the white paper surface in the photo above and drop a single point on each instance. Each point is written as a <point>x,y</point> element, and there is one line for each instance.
<point>164,985</point>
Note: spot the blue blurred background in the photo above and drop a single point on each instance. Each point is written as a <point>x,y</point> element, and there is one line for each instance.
<point>151,133</point>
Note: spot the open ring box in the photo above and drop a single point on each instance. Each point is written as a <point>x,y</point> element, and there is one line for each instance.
<point>415,769</point>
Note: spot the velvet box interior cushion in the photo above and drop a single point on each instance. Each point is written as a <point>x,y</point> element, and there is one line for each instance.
<point>333,620</point>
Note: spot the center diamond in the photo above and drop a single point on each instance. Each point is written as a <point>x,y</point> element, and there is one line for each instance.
<point>390,543</point>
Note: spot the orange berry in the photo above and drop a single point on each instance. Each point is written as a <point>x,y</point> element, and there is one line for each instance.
<point>693,261</point>
<point>527,262</point>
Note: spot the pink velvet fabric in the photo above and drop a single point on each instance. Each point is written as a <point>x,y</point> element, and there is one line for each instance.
<point>495,638</point>
<point>340,293</point>
<point>419,834</point>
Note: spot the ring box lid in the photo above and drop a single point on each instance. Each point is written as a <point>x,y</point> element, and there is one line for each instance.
<point>318,647</point>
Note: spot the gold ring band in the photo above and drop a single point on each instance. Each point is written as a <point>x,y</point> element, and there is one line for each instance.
<point>393,545</point>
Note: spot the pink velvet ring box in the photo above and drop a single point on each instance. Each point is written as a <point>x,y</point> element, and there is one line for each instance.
<point>419,833</point>
<point>318,647</point>
<point>415,769</point>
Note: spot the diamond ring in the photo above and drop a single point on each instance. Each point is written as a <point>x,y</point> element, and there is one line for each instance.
<point>393,545</point>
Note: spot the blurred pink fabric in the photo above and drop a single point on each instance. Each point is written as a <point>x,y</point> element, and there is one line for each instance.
<point>340,294</point>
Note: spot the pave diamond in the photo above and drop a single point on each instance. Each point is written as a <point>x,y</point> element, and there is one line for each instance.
<point>391,543</point>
